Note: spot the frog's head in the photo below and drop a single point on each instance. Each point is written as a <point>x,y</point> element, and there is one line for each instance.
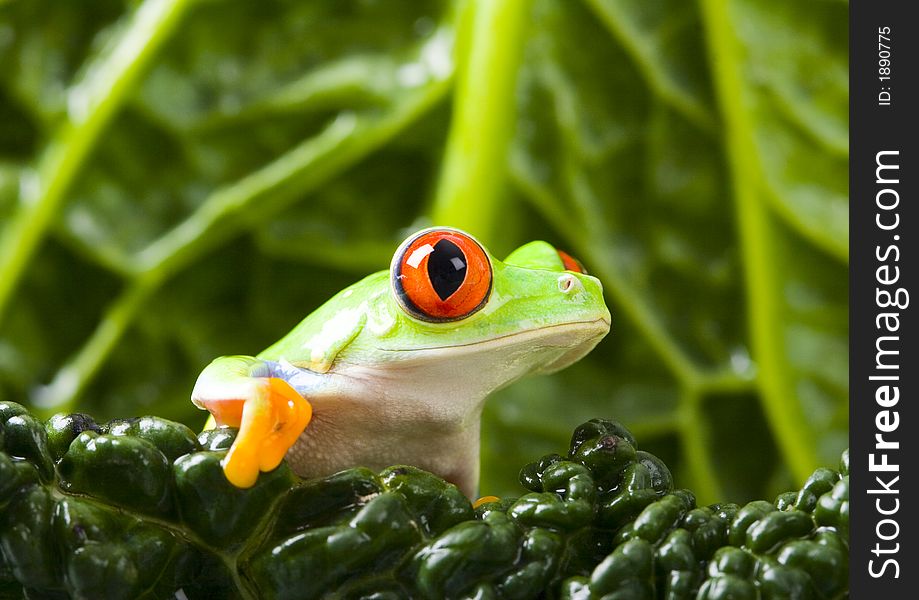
<point>452,293</point>
<point>449,318</point>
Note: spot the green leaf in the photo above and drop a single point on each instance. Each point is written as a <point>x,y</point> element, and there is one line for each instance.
<point>145,511</point>
<point>721,248</point>
<point>181,180</point>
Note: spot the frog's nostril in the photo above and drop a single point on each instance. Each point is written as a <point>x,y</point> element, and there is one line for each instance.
<point>568,284</point>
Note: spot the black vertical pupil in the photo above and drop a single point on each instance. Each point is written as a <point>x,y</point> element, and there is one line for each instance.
<point>446,268</point>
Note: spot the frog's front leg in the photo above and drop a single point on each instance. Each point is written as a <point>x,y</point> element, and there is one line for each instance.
<point>245,392</point>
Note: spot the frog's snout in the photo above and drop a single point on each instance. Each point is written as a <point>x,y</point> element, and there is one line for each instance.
<point>583,294</point>
<point>569,284</point>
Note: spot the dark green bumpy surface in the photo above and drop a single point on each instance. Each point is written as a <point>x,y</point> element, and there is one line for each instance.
<point>139,508</point>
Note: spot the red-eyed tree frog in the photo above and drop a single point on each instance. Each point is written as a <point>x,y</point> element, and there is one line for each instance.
<point>395,369</point>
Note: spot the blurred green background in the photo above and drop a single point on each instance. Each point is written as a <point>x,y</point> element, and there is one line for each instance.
<point>181,180</point>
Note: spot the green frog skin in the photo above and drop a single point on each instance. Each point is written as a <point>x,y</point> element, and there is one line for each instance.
<point>395,369</point>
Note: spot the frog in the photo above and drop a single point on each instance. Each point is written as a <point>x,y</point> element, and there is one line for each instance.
<point>396,368</point>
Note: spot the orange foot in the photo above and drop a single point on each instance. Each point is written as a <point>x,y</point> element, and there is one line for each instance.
<point>269,424</point>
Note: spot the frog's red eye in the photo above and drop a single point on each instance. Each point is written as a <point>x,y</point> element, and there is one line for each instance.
<point>571,263</point>
<point>441,275</point>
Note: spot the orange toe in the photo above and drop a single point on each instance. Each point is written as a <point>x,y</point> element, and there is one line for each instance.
<point>485,500</point>
<point>271,423</point>
<point>292,415</point>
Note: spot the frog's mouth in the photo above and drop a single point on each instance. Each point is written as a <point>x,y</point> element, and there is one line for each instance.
<point>594,332</point>
<point>543,349</point>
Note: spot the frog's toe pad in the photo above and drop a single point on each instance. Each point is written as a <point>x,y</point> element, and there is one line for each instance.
<point>293,415</point>
<point>271,423</point>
